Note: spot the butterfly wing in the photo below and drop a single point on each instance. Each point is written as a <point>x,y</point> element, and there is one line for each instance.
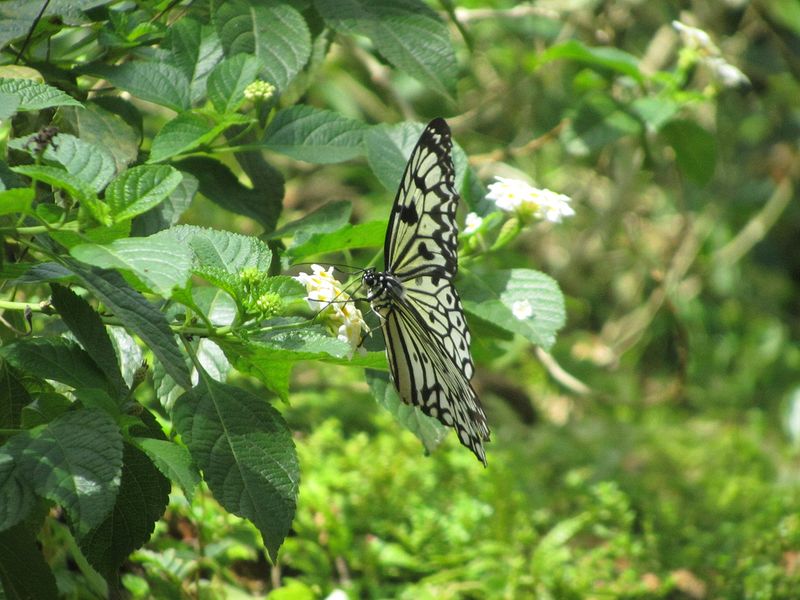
<point>422,237</point>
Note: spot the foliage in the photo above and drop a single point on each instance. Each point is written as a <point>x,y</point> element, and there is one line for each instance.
<point>167,163</point>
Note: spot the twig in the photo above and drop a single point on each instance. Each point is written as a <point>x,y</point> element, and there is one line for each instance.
<point>558,373</point>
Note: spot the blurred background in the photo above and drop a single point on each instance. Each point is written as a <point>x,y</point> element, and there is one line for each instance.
<point>654,452</point>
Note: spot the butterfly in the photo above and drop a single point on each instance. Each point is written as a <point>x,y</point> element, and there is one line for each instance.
<point>427,340</point>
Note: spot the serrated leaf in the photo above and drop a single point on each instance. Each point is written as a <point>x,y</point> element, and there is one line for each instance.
<point>327,218</point>
<point>13,397</point>
<point>183,133</point>
<point>363,235</point>
<point>100,127</point>
<point>34,95</point>
<point>9,104</point>
<point>169,211</point>
<point>221,186</point>
<point>228,80</point>
<point>46,407</point>
<point>43,273</point>
<point>76,461</point>
<point>89,330</point>
<point>138,315</point>
<point>272,31</point>
<point>429,430</point>
<point>24,573</point>
<point>408,33</point>
<point>314,135</point>
<point>160,264</point>
<point>16,492</point>
<point>389,146</point>
<point>695,149</point>
<point>57,177</point>
<point>173,461</point>
<point>99,235</point>
<point>56,358</point>
<point>157,82</point>
<point>286,287</point>
<point>246,453</point>
<point>16,200</point>
<point>602,56</point>
<point>195,49</point>
<point>139,189</point>
<point>143,495</point>
<point>494,297</point>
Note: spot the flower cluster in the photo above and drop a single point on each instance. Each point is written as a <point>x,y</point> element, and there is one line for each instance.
<point>259,90</point>
<point>706,52</point>
<point>336,308</point>
<point>513,195</point>
<point>256,301</point>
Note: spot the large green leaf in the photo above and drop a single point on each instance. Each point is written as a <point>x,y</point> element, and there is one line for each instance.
<point>602,56</point>
<point>16,491</point>
<point>102,128</point>
<point>195,49</point>
<point>408,33</point>
<point>695,149</point>
<point>183,133</point>
<point>228,80</point>
<point>314,135</point>
<point>34,95</point>
<point>16,200</point>
<point>273,31</point>
<point>246,453</point>
<point>327,218</point>
<point>363,235</point>
<point>173,460</point>
<point>157,82</point>
<point>501,297</point>
<point>140,188</point>
<point>24,573</point>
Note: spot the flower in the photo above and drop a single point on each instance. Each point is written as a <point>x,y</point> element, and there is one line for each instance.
<point>695,38</point>
<point>728,75</point>
<point>707,53</point>
<point>259,90</point>
<point>472,223</point>
<point>513,195</point>
<point>336,308</point>
<point>521,309</point>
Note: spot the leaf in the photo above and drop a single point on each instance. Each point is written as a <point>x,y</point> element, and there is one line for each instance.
<point>314,135</point>
<point>246,453</point>
<point>24,573</point>
<point>695,149</point>
<point>185,132</point>
<point>389,146</point>
<point>272,31</point>
<point>169,211</point>
<point>99,235</point>
<point>76,461</point>
<point>89,330</point>
<point>16,494</point>
<point>16,200</point>
<point>43,273</point>
<point>34,95</point>
<point>363,235</point>
<point>138,315</point>
<point>159,263</point>
<point>157,82</point>
<point>173,461</point>
<point>13,397</point>
<point>598,122</point>
<point>408,33</point>
<point>56,358</point>
<point>602,56</point>
<point>143,495</point>
<point>327,218</point>
<point>228,80</point>
<point>195,49</point>
<point>492,297</point>
<point>101,128</point>
<point>76,187</point>
<point>140,188</point>
<point>429,430</point>
<point>9,104</point>
<point>222,187</point>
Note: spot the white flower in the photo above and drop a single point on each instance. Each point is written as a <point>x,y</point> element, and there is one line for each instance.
<point>728,75</point>
<point>471,223</point>
<point>513,195</point>
<point>521,309</point>
<point>695,38</point>
<point>259,90</point>
<point>336,308</point>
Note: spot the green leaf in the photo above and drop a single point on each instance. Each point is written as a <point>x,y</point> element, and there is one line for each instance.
<point>363,235</point>
<point>173,461</point>
<point>389,146</point>
<point>16,200</point>
<point>140,188</point>
<point>16,494</point>
<point>34,95</point>
<point>222,187</point>
<point>246,453</point>
<point>89,330</point>
<point>195,49</point>
<point>9,105</point>
<point>75,186</point>
<point>138,315</point>
<point>76,461</point>
<point>101,128</point>
<point>98,235</point>
<point>695,149</point>
<point>314,135</point>
<point>228,80</point>
<point>408,33</point>
<point>602,56</point>
<point>56,358</point>
<point>24,573</point>
<point>169,211</point>
<point>141,500</point>
<point>598,122</point>
<point>45,407</point>
<point>13,397</point>
<point>272,31</point>
<point>327,218</point>
<point>429,430</point>
<point>157,82</point>
<point>493,296</point>
<point>183,133</point>
<point>159,263</point>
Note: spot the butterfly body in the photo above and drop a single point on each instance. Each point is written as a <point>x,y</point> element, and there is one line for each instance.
<point>427,340</point>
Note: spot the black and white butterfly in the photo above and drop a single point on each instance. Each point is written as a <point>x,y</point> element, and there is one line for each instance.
<point>427,340</point>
